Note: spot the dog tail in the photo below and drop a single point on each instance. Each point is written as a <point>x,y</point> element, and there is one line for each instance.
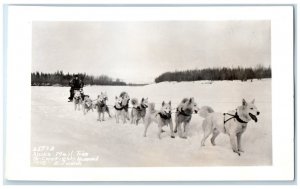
<point>134,102</point>
<point>205,111</point>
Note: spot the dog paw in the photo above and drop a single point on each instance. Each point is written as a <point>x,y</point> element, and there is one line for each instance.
<point>172,136</point>
<point>175,131</point>
<point>240,150</point>
<point>237,152</point>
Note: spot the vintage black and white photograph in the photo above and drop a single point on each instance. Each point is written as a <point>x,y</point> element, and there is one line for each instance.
<point>151,93</point>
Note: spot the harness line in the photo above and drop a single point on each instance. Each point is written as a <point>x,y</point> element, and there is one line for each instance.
<point>233,116</point>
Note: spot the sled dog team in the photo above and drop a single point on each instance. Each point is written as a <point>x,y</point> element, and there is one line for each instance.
<point>232,123</point>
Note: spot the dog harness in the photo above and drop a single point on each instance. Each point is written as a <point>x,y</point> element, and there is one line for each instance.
<point>88,106</point>
<point>182,112</point>
<point>101,105</point>
<point>141,107</point>
<point>235,116</point>
<point>122,107</point>
<point>137,108</point>
<point>77,98</point>
<point>144,106</point>
<point>165,116</point>
<point>126,107</point>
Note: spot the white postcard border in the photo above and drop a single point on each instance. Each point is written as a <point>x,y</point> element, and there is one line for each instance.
<point>17,161</point>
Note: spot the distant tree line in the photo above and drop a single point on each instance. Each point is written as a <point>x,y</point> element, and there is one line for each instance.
<point>238,73</point>
<point>60,79</point>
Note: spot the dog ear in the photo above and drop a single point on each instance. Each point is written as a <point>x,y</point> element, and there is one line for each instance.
<point>170,102</point>
<point>253,101</point>
<point>244,102</point>
<point>142,99</point>
<point>191,100</point>
<point>163,103</point>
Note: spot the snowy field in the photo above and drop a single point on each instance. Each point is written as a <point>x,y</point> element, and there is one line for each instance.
<point>55,124</point>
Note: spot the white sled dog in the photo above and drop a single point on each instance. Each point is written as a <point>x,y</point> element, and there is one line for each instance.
<point>233,123</point>
<point>101,106</point>
<point>162,118</point>
<point>138,110</point>
<point>77,99</point>
<point>183,115</point>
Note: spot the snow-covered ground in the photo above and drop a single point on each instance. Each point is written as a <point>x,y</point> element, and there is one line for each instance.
<point>56,124</point>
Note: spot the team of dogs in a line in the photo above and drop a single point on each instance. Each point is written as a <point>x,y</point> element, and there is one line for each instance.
<point>232,123</point>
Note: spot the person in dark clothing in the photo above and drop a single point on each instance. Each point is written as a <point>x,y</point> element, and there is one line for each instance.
<point>75,84</point>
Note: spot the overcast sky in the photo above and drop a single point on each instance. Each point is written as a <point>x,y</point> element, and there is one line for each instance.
<point>140,51</point>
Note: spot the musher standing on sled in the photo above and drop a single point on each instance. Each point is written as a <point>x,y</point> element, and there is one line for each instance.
<point>75,84</point>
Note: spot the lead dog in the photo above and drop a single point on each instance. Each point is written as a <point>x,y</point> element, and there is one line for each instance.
<point>183,115</point>
<point>233,123</point>
<point>162,118</point>
<point>138,110</point>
